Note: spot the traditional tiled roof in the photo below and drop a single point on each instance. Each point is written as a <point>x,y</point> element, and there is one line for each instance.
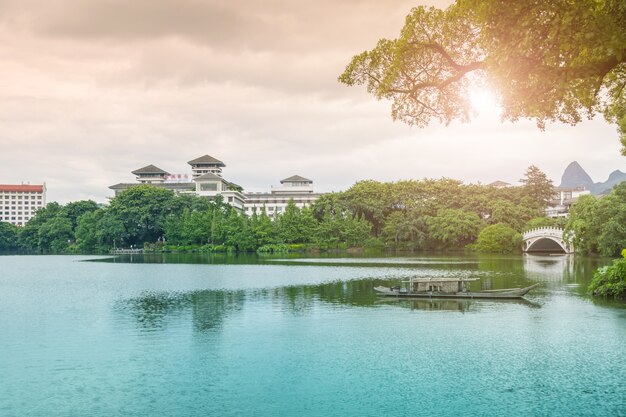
<point>209,176</point>
<point>150,169</point>
<point>22,188</point>
<point>206,160</point>
<point>295,178</point>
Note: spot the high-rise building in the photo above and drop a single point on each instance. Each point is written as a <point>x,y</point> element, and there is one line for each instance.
<point>18,203</point>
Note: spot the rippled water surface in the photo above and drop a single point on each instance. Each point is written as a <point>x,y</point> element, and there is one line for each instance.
<point>197,336</point>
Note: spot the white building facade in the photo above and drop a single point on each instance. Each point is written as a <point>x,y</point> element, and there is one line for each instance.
<point>18,203</point>
<point>295,188</point>
<point>207,181</point>
<point>563,199</point>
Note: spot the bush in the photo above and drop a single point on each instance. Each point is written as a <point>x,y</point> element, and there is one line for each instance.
<point>273,248</point>
<point>498,238</point>
<point>374,243</point>
<point>610,281</point>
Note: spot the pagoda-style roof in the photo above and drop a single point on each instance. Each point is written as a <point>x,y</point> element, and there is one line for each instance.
<point>206,160</point>
<point>150,169</point>
<point>209,176</point>
<point>295,178</point>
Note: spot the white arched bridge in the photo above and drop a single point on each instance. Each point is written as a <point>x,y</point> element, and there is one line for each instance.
<point>547,239</point>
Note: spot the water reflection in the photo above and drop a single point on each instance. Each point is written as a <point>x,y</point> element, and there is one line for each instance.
<point>459,305</point>
<point>209,309</point>
<point>152,311</point>
<point>549,267</point>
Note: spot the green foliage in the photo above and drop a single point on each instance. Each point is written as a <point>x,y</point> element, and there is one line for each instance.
<point>8,237</point>
<point>546,60</point>
<point>453,228</point>
<point>538,222</point>
<point>374,244</point>
<point>610,281</point>
<point>405,229</point>
<point>513,214</point>
<point>599,225</point>
<point>143,210</point>
<point>276,248</point>
<point>409,215</point>
<point>537,186</point>
<point>294,225</point>
<point>498,238</point>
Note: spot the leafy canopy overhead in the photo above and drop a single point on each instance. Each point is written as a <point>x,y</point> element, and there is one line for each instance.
<point>546,60</point>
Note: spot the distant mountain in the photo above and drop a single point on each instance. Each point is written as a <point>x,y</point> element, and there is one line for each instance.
<point>575,176</point>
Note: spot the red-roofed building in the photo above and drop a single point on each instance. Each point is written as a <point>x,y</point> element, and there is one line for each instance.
<point>19,202</point>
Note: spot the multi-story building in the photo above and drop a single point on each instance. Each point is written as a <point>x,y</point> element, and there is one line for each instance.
<point>18,203</point>
<point>563,199</point>
<point>295,188</point>
<point>207,181</point>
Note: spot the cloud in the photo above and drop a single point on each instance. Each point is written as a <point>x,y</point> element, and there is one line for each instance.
<point>93,90</point>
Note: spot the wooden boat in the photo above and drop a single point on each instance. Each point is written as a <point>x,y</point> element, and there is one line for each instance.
<point>448,288</point>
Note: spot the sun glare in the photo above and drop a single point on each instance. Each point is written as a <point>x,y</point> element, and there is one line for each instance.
<point>483,102</point>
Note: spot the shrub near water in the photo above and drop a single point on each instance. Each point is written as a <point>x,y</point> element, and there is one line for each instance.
<point>610,281</point>
<point>498,238</point>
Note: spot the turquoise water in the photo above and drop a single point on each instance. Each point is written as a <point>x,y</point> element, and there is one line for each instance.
<point>304,337</point>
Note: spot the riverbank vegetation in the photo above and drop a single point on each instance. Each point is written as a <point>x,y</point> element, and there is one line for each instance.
<point>598,225</point>
<point>442,214</point>
<point>610,281</point>
<point>410,215</point>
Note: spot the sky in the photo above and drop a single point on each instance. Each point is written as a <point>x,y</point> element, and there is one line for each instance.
<point>92,90</point>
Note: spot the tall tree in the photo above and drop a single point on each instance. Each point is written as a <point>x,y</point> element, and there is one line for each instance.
<point>143,210</point>
<point>262,228</point>
<point>546,60</point>
<point>537,186</point>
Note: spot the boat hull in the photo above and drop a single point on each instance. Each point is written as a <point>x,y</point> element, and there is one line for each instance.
<point>512,293</point>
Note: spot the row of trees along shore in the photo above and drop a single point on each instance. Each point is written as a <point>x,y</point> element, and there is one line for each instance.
<point>442,214</point>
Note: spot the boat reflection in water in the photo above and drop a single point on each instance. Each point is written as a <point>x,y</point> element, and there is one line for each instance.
<point>448,287</point>
<point>449,304</point>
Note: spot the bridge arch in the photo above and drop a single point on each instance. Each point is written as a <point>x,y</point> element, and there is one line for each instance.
<point>546,240</point>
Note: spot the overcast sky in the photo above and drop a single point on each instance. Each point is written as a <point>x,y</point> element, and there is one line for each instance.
<point>91,90</point>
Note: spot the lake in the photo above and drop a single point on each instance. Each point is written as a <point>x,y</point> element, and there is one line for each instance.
<point>200,335</point>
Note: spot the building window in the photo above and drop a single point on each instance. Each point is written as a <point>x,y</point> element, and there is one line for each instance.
<point>208,186</point>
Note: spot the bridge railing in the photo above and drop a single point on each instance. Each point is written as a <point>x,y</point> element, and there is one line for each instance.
<point>543,231</point>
